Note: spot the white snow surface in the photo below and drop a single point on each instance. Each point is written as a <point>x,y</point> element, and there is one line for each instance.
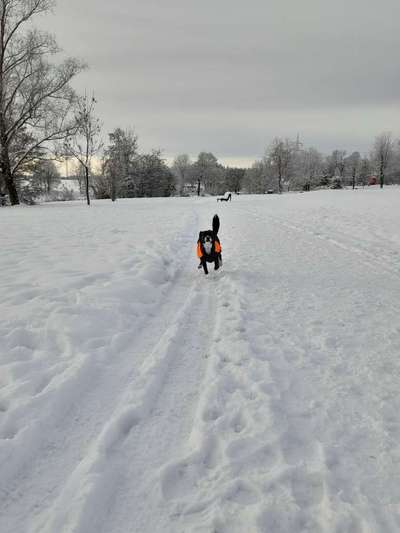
<point>139,395</point>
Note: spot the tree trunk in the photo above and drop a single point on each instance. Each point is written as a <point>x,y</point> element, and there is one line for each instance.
<point>382,176</point>
<point>198,187</point>
<point>87,185</point>
<point>113,190</point>
<point>12,190</point>
<point>9,180</point>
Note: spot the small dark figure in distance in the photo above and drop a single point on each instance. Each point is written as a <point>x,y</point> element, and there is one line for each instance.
<point>209,248</point>
<point>225,199</point>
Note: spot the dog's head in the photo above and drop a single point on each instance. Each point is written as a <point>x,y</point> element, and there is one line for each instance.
<point>207,240</point>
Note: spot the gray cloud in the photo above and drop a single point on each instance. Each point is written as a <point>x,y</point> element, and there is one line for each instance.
<point>228,76</point>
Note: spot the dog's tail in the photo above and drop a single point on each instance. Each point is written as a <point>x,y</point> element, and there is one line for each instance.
<point>215,224</point>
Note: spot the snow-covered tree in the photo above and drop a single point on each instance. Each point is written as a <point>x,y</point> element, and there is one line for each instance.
<point>364,170</point>
<point>181,168</point>
<point>352,164</point>
<point>152,177</point>
<point>118,161</point>
<point>382,154</point>
<point>308,169</point>
<point>207,171</point>
<point>336,163</point>
<point>393,170</point>
<point>45,176</point>
<point>255,178</point>
<point>279,155</point>
<point>234,179</point>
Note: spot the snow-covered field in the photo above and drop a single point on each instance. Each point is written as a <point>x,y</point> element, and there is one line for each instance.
<point>138,395</point>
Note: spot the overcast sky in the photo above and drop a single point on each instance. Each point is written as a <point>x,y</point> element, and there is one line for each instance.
<point>227,76</point>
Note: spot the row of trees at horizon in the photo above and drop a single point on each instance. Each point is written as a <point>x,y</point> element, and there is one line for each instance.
<point>288,164</point>
<point>127,172</point>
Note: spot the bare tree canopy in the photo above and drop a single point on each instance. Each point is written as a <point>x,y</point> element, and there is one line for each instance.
<point>35,95</point>
<point>181,168</point>
<point>279,156</point>
<point>118,161</point>
<point>85,141</point>
<point>353,164</point>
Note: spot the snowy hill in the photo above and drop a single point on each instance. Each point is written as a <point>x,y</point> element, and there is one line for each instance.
<point>138,395</point>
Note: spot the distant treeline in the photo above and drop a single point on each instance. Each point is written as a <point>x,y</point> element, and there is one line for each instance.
<point>125,172</point>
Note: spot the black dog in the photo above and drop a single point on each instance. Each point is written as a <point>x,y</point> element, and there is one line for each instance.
<point>209,247</point>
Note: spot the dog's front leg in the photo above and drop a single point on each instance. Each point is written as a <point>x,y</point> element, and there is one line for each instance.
<point>204,263</point>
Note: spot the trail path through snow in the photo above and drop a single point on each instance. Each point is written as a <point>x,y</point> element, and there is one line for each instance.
<point>140,396</point>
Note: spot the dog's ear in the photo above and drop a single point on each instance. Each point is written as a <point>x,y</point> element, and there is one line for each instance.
<point>200,235</point>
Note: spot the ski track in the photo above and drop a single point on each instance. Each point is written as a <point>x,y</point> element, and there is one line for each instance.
<point>261,399</point>
<point>128,479</point>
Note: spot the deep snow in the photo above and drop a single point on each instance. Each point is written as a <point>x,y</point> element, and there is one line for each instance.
<point>138,395</point>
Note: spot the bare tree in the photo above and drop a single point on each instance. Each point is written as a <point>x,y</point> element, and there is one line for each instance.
<point>312,162</point>
<point>341,162</point>
<point>279,155</point>
<point>45,175</point>
<point>353,164</point>
<point>181,168</point>
<point>86,141</point>
<point>336,163</point>
<point>234,178</point>
<point>35,96</point>
<point>383,151</point>
<point>392,174</point>
<point>209,172</point>
<point>255,178</point>
<point>118,159</point>
<point>152,176</point>
<point>365,170</point>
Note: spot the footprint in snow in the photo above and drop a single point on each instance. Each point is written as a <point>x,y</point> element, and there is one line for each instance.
<point>3,406</point>
<point>307,488</point>
<point>288,519</point>
<point>238,422</point>
<point>180,480</point>
<point>298,449</point>
<point>21,337</point>
<point>9,429</point>
<point>241,492</point>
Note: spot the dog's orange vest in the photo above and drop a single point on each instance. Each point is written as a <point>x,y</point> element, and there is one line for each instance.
<point>218,249</point>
